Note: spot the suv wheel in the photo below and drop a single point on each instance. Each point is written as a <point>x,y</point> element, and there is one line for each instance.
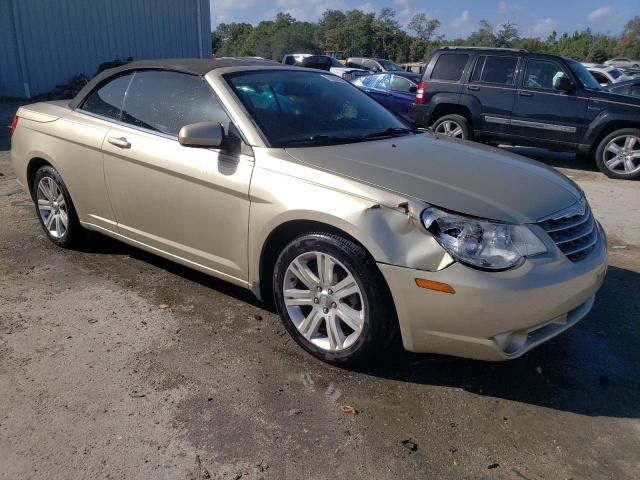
<point>455,126</point>
<point>618,155</point>
<point>333,300</point>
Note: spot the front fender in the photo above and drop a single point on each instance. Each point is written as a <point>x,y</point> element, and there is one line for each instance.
<point>387,225</point>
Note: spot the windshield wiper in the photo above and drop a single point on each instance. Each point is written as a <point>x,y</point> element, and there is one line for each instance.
<point>321,140</point>
<point>389,132</point>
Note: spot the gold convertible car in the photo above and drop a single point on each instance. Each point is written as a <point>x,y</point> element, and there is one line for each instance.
<point>295,184</point>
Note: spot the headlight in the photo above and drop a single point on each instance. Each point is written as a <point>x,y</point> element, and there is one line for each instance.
<point>481,243</point>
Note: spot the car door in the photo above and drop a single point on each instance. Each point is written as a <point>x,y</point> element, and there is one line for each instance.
<point>91,123</point>
<point>191,203</point>
<point>542,112</point>
<point>493,84</point>
<point>402,94</point>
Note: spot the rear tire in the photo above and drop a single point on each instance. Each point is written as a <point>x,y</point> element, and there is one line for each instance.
<point>55,209</point>
<point>618,154</point>
<point>333,300</point>
<point>455,126</point>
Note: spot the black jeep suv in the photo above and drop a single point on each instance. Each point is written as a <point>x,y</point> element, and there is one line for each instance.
<point>520,98</point>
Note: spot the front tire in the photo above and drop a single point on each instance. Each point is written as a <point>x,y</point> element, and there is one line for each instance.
<point>54,208</point>
<point>333,300</point>
<point>455,126</point>
<point>618,154</point>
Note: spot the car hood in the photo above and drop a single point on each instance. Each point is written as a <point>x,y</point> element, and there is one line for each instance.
<point>460,176</point>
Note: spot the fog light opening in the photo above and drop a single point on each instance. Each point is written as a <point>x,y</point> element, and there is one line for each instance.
<point>512,342</point>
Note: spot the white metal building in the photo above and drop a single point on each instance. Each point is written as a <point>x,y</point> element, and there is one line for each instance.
<point>44,43</point>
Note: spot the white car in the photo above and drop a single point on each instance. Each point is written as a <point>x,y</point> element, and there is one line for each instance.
<point>606,74</point>
<point>324,62</point>
<point>622,62</point>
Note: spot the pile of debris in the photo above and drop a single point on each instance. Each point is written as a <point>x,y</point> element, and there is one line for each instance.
<point>62,92</point>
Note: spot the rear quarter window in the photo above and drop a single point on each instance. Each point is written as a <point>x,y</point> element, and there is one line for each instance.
<point>106,101</point>
<point>449,67</point>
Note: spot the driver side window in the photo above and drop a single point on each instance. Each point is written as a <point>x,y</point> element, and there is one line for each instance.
<point>542,74</point>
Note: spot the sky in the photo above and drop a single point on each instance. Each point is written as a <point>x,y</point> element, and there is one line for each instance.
<point>459,17</point>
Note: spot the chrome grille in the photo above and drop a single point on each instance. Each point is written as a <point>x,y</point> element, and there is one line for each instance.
<point>575,233</point>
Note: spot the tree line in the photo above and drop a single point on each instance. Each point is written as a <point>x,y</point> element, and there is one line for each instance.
<point>381,35</point>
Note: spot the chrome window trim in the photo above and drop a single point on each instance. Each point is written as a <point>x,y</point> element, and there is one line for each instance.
<point>127,125</point>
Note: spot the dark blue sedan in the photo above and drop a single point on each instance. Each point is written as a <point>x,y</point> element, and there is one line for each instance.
<point>394,90</point>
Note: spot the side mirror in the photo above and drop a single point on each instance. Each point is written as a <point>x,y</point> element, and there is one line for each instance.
<point>202,134</point>
<point>564,84</point>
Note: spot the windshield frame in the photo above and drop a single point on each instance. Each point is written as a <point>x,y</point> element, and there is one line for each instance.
<point>399,127</point>
<point>582,74</point>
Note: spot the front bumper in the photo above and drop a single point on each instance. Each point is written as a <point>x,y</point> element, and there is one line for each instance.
<point>495,315</point>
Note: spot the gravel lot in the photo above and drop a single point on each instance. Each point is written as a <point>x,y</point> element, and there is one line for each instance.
<point>117,364</point>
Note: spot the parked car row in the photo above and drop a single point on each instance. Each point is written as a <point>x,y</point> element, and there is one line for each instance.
<point>522,98</point>
<point>324,62</point>
<point>511,97</point>
<point>605,75</point>
<point>296,185</point>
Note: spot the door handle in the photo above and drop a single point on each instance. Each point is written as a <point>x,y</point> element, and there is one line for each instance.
<point>475,88</point>
<point>119,142</point>
<point>525,94</point>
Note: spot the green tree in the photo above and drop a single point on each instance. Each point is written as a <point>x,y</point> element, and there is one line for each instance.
<point>629,45</point>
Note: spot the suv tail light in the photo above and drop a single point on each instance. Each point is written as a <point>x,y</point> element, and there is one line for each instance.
<point>422,87</point>
<point>14,125</point>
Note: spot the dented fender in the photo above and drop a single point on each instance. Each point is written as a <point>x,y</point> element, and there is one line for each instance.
<point>386,224</point>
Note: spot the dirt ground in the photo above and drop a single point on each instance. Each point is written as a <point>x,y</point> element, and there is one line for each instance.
<point>117,364</point>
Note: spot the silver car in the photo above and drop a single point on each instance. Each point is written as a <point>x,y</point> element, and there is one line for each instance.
<point>296,185</point>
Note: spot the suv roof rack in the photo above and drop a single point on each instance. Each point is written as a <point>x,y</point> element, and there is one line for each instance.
<point>462,47</point>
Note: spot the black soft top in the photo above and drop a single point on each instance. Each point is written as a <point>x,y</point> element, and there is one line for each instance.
<point>192,66</point>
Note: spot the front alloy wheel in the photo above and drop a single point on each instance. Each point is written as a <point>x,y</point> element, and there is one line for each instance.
<point>618,154</point>
<point>622,154</point>
<point>324,301</point>
<point>332,299</point>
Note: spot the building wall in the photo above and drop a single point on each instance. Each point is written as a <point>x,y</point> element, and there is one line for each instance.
<point>44,43</point>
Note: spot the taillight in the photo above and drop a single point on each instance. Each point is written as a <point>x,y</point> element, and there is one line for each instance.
<point>14,125</point>
<point>420,93</point>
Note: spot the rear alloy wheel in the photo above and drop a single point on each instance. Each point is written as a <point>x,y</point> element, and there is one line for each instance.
<point>455,126</point>
<point>618,155</point>
<point>54,207</point>
<point>332,299</point>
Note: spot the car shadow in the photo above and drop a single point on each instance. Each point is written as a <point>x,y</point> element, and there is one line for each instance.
<point>97,243</point>
<point>592,369</point>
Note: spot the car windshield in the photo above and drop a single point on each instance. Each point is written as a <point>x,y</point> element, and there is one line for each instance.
<point>295,108</point>
<point>390,66</point>
<point>586,79</point>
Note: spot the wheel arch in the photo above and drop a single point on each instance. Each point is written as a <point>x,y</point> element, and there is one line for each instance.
<point>35,163</point>
<point>284,233</point>
<point>462,109</point>
<point>605,126</point>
